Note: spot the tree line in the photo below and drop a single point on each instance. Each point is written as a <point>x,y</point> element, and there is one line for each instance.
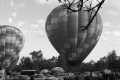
<point>38,62</point>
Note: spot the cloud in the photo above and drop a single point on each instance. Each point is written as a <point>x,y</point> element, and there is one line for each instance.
<point>34,25</point>
<point>10,20</point>
<point>114,3</point>
<point>20,23</point>
<point>47,1</point>
<point>16,5</point>
<point>103,43</point>
<point>118,26</point>
<point>42,1</point>
<point>21,5</point>
<point>107,24</point>
<point>110,35</point>
<point>113,12</point>
<point>104,37</point>
<point>42,26</point>
<point>12,4</point>
<point>36,33</point>
<point>116,33</point>
<point>38,29</point>
<point>107,32</point>
<point>14,14</point>
<point>41,22</point>
<point>113,34</point>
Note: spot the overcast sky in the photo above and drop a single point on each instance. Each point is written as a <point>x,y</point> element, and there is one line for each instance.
<point>30,16</point>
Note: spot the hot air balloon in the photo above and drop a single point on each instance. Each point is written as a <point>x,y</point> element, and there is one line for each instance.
<point>11,43</point>
<point>64,29</point>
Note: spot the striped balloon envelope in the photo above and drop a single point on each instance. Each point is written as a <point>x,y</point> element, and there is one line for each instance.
<point>13,62</point>
<point>64,29</point>
<point>11,43</point>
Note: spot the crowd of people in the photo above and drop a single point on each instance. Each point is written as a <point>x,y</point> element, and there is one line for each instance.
<point>98,76</point>
<point>85,76</point>
<point>71,76</point>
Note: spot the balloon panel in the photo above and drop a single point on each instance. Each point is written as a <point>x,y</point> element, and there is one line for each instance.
<point>53,29</point>
<point>64,30</point>
<point>10,62</point>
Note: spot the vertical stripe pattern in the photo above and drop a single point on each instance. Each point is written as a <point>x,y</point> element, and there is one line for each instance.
<point>13,62</point>
<point>64,30</point>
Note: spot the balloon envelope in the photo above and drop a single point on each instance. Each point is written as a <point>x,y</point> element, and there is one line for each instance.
<point>45,71</point>
<point>13,62</point>
<point>58,70</point>
<point>64,29</point>
<point>11,43</point>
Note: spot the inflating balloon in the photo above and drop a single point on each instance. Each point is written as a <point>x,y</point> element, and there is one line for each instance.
<point>57,70</point>
<point>45,71</point>
<point>11,43</point>
<point>64,29</point>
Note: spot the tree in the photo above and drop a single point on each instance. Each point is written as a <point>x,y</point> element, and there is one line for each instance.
<point>61,62</point>
<point>104,59</point>
<point>112,55</point>
<point>82,3</point>
<point>86,67</point>
<point>52,62</point>
<point>17,68</point>
<point>100,65</point>
<point>37,55</point>
<point>53,59</point>
<point>46,64</point>
<point>26,63</point>
<point>112,60</point>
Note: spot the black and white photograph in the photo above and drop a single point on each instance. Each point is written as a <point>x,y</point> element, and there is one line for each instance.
<point>59,40</point>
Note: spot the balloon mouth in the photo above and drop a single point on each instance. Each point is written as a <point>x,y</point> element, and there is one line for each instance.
<point>73,58</point>
<point>73,61</point>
